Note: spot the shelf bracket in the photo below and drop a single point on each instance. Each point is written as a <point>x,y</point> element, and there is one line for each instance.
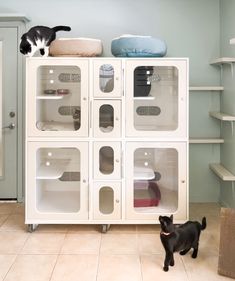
<point>221,72</point>
<point>231,64</point>
<point>231,127</point>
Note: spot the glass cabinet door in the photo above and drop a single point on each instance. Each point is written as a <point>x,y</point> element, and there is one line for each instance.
<point>107,118</point>
<point>58,93</point>
<point>57,181</point>
<point>156,180</point>
<point>107,160</point>
<point>107,78</point>
<point>156,98</point>
<point>107,200</point>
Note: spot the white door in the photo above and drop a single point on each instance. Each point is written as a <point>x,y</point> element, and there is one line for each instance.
<point>107,200</point>
<point>156,180</point>
<point>107,118</point>
<point>107,75</point>
<point>107,160</point>
<point>57,97</point>
<point>157,98</point>
<point>8,113</point>
<point>57,182</point>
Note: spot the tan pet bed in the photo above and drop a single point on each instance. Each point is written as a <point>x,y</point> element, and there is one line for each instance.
<point>76,47</point>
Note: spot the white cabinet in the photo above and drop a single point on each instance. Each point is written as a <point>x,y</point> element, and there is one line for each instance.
<point>107,200</point>
<point>57,97</point>
<point>107,160</point>
<point>106,140</point>
<point>156,98</point>
<point>107,118</point>
<point>107,75</point>
<point>156,180</point>
<point>57,181</point>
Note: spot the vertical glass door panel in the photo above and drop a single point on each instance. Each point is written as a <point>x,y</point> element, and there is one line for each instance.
<point>58,180</point>
<point>155,98</point>
<point>107,118</point>
<point>155,183</point>
<point>106,200</point>
<point>58,98</point>
<point>106,78</point>
<point>106,160</point>
<point>107,75</point>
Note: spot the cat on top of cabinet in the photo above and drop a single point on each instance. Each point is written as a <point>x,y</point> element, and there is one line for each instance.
<point>39,38</point>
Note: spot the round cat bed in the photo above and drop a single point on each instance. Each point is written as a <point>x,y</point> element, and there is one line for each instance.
<point>138,46</point>
<point>76,47</point>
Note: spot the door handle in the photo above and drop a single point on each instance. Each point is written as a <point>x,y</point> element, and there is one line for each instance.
<point>11,126</point>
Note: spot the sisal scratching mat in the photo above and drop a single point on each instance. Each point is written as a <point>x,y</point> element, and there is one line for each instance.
<point>226,264</point>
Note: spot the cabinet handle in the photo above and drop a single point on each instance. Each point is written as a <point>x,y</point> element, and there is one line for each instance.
<point>84,98</point>
<point>117,200</point>
<point>117,119</point>
<point>84,181</point>
<point>117,160</point>
<point>183,181</point>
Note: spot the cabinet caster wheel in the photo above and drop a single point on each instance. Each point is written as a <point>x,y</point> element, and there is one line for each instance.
<point>105,228</point>
<point>31,227</point>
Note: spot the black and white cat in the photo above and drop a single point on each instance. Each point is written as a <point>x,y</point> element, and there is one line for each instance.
<point>39,38</point>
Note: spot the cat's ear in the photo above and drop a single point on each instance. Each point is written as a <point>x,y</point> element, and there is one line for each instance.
<point>171,217</point>
<point>160,218</point>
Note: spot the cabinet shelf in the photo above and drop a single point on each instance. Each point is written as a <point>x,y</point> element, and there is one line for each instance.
<point>50,97</point>
<point>205,140</point>
<point>55,126</point>
<point>222,172</point>
<point>54,170</point>
<point>206,88</point>
<point>222,116</point>
<point>144,98</point>
<point>143,173</point>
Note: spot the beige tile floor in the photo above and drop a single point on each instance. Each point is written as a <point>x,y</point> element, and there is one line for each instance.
<point>81,252</point>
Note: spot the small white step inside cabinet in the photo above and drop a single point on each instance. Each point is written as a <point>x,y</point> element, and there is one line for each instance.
<point>106,140</point>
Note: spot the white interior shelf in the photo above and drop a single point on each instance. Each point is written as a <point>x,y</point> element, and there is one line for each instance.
<point>205,140</point>
<point>55,126</point>
<point>143,173</point>
<point>206,88</point>
<point>51,169</point>
<point>222,116</point>
<point>144,98</point>
<point>222,172</point>
<point>50,97</point>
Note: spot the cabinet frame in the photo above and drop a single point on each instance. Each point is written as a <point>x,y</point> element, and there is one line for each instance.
<point>31,96</point>
<point>33,215</point>
<point>182,65</point>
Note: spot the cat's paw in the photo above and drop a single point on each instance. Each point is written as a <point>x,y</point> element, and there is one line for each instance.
<point>165,268</point>
<point>194,255</point>
<point>172,263</point>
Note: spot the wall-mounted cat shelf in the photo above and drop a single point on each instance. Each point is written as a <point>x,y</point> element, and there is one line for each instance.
<point>223,117</point>
<point>206,88</point>
<point>225,60</point>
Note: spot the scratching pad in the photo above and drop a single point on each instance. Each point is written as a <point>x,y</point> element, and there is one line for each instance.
<point>226,264</point>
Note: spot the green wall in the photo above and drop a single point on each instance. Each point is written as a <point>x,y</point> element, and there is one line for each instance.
<point>191,28</point>
<point>227,21</point>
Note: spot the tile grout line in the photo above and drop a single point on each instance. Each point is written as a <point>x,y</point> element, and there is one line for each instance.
<point>10,267</point>
<point>65,234</point>
<point>98,263</point>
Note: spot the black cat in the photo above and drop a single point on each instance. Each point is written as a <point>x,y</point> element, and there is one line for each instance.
<point>39,38</point>
<point>179,238</point>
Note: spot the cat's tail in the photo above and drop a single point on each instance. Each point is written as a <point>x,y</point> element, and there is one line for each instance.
<point>203,225</point>
<point>61,28</point>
